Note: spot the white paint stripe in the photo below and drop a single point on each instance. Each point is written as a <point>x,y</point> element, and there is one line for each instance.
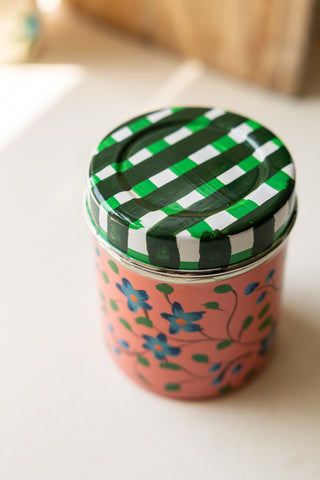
<point>204,154</point>
<point>214,113</point>
<point>151,218</point>
<point>163,177</point>
<point>266,149</point>
<point>241,241</point>
<point>178,135</point>
<point>137,240</point>
<point>289,170</point>
<point>159,115</point>
<point>188,246</point>
<point>220,220</point>
<point>140,156</point>
<point>263,193</point>
<point>121,134</point>
<point>231,174</point>
<point>240,133</point>
<point>281,216</point>
<point>106,172</point>
<point>190,199</point>
<point>103,218</point>
<point>123,197</point>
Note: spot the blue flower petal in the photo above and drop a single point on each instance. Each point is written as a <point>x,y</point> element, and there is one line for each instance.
<point>191,327</point>
<point>141,294</point>
<point>193,316</point>
<point>174,351</point>
<point>237,368</point>
<point>97,251</point>
<point>270,275</point>
<point>168,316</point>
<point>261,297</point>
<point>161,337</point>
<point>116,350</point>
<point>146,306</point>
<point>251,288</point>
<point>177,309</point>
<point>159,355</point>
<point>215,367</point>
<point>174,328</point>
<point>110,327</point>
<point>123,343</point>
<point>217,380</point>
<point>133,306</point>
<point>121,288</point>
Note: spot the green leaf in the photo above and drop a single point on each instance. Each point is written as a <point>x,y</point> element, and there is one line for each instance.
<point>224,344</point>
<point>104,309</point>
<point>200,357</point>
<point>139,375</point>
<point>113,266</point>
<point>101,295</point>
<point>225,389</point>
<point>143,361</point>
<point>250,374</point>
<point>164,288</point>
<point>114,305</point>
<point>212,305</point>
<point>144,321</point>
<point>266,323</point>
<point>125,323</point>
<point>105,277</point>
<point>264,310</point>
<point>170,366</point>
<point>172,387</point>
<point>247,322</point>
<point>223,288</point>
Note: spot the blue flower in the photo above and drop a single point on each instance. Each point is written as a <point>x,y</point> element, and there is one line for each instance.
<point>116,350</point>
<point>136,298</point>
<point>97,251</point>
<point>181,320</point>
<point>270,275</point>
<point>251,288</point>
<point>159,346</point>
<point>110,327</point>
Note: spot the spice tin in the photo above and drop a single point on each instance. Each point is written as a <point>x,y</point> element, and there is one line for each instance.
<point>190,209</point>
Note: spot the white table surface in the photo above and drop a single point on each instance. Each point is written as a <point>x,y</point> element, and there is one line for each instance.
<point>66,412</point>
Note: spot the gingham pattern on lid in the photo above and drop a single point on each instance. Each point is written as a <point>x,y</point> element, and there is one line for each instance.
<point>191,188</point>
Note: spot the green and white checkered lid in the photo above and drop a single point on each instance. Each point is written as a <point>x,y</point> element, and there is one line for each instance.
<point>191,189</point>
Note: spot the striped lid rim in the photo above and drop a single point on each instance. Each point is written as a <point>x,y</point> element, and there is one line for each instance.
<point>191,188</point>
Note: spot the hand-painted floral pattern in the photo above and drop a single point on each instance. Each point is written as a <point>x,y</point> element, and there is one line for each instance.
<point>190,341</point>
<point>181,320</point>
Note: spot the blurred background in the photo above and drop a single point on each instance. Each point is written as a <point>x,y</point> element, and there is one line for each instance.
<point>70,71</point>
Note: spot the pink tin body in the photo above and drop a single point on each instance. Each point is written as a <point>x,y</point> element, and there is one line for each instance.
<point>237,318</point>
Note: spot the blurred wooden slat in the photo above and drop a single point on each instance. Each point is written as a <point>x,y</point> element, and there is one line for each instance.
<point>265,41</point>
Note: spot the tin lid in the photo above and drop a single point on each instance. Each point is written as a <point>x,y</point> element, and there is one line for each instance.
<point>191,188</point>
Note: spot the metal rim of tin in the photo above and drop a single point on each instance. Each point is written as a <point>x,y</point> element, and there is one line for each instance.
<point>189,276</point>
